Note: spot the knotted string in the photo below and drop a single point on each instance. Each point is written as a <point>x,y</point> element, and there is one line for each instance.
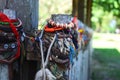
<point>44,63</point>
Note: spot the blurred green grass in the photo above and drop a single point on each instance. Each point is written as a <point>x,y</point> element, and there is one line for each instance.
<point>106,56</point>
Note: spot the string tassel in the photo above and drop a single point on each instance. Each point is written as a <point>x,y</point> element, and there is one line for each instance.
<point>49,75</point>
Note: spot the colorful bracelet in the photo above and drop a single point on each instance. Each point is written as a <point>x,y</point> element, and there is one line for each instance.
<point>69,25</point>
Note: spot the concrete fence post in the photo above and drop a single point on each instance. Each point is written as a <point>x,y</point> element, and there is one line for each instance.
<point>27,11</point>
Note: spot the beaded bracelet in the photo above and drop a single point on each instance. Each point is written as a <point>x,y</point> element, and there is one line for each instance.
<point>69,25</point>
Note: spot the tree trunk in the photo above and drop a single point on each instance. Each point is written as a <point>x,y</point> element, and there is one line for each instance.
<point>88,14</point>
<point>82,9</point>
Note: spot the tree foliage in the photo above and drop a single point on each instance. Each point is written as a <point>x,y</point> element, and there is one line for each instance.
<point>103,12</point>
<point>109,5</point>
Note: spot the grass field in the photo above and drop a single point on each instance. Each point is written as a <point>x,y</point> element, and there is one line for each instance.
<point>106,57</point>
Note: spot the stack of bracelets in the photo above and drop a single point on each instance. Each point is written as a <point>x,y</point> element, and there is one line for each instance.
<point>9,38</point>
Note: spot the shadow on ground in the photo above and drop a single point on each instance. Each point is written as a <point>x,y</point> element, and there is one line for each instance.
<point>106,64</point>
